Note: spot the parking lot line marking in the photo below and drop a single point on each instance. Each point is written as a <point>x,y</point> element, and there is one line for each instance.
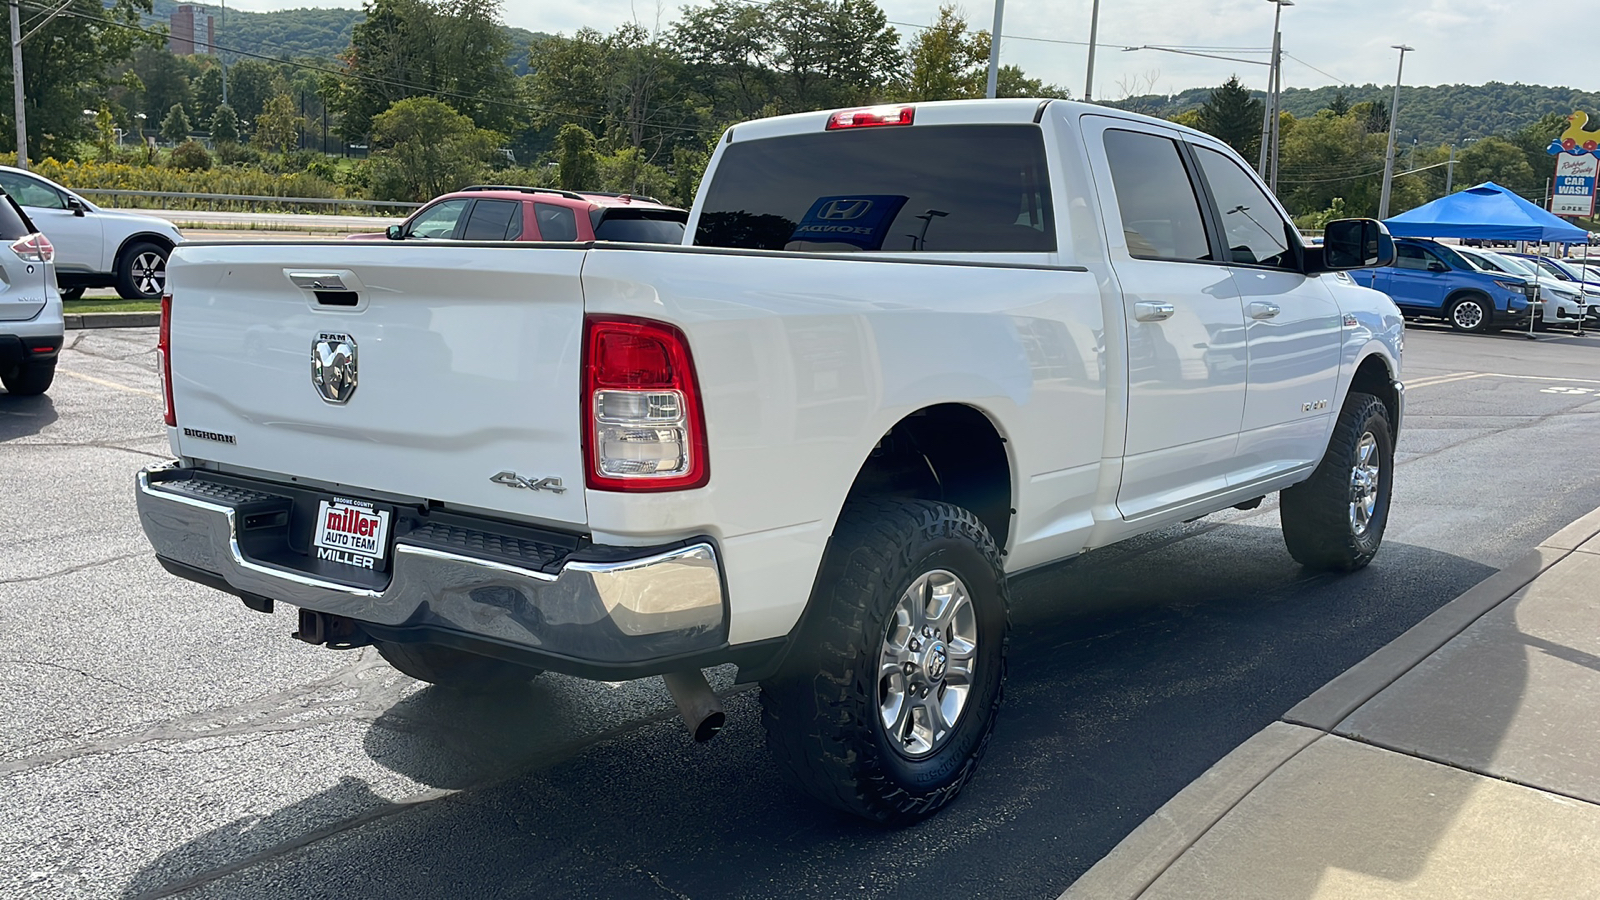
<point>1446,379</point>
<point>1548,378</point>
<point>104,383</point>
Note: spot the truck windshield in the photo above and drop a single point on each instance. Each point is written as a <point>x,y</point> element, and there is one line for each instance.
<point>948,189</point>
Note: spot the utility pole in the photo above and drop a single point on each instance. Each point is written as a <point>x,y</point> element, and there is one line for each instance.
<point>1394,112</point>
<point>1450,173</point>
<point>1269,116</point>
<point>16,86</point>
<point>220,58</point>
<point>1094,33</point>
<point>1277,104</point>
<point>994,50</point>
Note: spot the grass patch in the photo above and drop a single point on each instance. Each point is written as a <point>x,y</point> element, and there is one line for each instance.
<point>92,305</point>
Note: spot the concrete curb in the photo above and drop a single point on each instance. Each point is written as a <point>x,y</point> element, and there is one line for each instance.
<point>112,320</point>
<point>1140,858</point>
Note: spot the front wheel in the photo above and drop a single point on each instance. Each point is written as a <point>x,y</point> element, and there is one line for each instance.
<point>69,294</point>
<point>1335,519</point>
<point>142,272</point>
<point>886,706</point>
<point>1471,314</point>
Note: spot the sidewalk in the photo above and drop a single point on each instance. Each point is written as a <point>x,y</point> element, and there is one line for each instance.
<point>1460,760</point>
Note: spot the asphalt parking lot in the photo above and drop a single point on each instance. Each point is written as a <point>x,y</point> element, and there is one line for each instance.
<point>162,740</point>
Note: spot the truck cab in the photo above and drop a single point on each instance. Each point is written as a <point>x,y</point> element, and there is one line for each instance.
<point>1429,279</point>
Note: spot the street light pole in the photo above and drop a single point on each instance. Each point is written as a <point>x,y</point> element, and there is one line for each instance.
<point>1269,116</point>
<point>1094,33</point>
<point>1394,111</point>
<point>16,87</point>
<point>994,50</point>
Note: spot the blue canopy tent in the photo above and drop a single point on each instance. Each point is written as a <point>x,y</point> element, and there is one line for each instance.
<point>1487,212</point>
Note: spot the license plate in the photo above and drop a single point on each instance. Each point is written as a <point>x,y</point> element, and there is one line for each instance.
<point>352,533</point>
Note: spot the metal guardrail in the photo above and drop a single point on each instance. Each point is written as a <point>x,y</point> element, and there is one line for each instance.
<point>334,202</point>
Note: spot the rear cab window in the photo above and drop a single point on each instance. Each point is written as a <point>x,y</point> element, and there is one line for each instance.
<point>930,188</point>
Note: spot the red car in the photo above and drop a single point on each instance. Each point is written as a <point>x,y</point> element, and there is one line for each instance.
<point>501,213</point>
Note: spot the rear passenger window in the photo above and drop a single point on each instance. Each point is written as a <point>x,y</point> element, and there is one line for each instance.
<point>489,220</point>
<point>1160,214</point>
<point>556,223</point>
<point>942,188</point>
<point>1410,258</point>
<point>13,221</point>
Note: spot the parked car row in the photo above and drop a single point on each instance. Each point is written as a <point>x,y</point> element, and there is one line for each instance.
<point>1477,290</point>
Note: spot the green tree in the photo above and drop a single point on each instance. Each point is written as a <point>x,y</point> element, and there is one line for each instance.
<point>1501,161</point>
<point>577,159</point>
<point>278,127</point>
<point>946,61</point>
<point>225,126</point>
<point>175,127</point>
<point>453,50</point>
<point>422,148</point>
<point>69,64</point>
<point>1232,116</point>
<point>1339,105</point>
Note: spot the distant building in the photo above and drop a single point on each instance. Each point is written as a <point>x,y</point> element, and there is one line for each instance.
<point>192,31</point>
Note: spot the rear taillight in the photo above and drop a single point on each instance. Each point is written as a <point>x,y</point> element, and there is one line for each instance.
<point>643,428</point>
<point>35,248</point>
<point>871,116</point>
<point>164,351</point>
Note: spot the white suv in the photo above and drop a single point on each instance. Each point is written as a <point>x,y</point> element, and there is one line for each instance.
<point>95,247</point>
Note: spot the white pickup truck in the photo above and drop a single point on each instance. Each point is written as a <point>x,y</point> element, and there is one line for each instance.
<point>905,353</point>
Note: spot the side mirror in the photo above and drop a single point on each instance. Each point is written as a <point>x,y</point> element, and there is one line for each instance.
<point>395,232</point>
<point>76,205</point>
<point>1435,266</point>
<point>1356,244</point>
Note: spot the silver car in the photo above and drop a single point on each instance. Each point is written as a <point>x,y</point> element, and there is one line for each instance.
<point>31,324</point>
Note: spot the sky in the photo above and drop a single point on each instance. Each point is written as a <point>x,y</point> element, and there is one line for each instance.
<point>1324,41</point>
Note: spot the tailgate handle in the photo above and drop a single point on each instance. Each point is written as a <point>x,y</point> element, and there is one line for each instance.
<point>318,281</point>
<point>337,298</point>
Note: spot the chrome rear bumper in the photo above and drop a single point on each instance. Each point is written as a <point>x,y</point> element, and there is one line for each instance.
<point>601,605</point>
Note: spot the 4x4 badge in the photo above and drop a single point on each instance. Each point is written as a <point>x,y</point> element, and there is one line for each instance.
<point>512,479</point>
<point>333,366</point>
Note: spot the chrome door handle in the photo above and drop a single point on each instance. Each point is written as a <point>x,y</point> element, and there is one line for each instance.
<point>1148,311</point>
<point>1264,310</point>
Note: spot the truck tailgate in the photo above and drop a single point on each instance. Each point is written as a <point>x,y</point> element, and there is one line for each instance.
<point>452,384</point>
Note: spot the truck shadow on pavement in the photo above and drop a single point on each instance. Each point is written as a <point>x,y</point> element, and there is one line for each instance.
<point>24,416</point>
<point>1133,670</point>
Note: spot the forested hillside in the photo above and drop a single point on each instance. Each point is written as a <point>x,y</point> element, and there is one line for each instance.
<point>1447,114</point>
<point>313,33</point>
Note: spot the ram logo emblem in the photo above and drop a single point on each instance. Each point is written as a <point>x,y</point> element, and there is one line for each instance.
<point>333,366</point>
<point>1314,406</point>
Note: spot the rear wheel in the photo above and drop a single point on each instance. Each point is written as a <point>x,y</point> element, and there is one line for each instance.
<point>142,271</point>
<point>1335,519</point>
<point>30,379</point>
<point>72,293</point>
<point>1471,314</point>
<point>886,706</point>
<point>449,667</point>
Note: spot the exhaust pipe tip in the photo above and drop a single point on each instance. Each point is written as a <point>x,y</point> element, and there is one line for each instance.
<point>699,707</point>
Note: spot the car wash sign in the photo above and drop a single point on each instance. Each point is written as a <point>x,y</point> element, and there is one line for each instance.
<point>1576,176</point>
<point>862,220</point>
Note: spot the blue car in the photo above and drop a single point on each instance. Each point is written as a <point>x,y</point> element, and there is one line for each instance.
<point>1428,279</point>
